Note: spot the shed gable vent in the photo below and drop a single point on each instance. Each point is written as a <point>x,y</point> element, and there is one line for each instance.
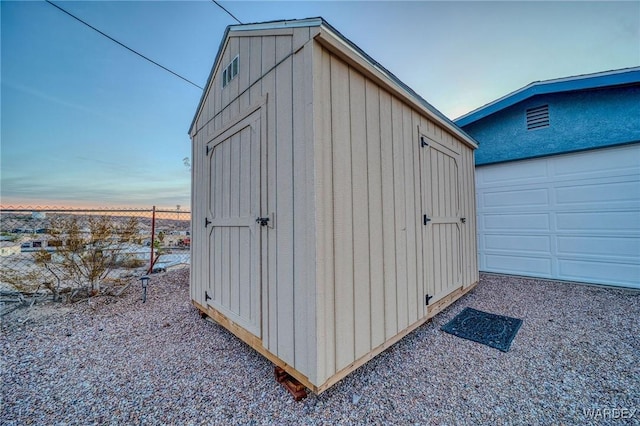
<point>538,117</point>
<point>230,71</point>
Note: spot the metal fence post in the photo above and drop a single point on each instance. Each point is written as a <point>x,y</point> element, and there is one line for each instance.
<point>153,237</point>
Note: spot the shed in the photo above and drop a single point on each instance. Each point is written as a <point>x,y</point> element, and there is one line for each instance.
<point>333,208</point>
<point>558,179</point>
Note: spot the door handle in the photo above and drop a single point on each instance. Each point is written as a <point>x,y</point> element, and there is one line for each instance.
<point>269,221</point>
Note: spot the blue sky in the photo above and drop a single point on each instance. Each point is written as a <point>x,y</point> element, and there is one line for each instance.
<point>84,122</point>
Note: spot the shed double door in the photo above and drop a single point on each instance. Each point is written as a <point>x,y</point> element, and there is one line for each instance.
<point>234,187</point>
<point>441,233</point>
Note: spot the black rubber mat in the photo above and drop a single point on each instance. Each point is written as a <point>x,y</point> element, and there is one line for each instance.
<point>492,330</point>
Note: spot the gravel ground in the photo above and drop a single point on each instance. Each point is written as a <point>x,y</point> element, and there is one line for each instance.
<point>119,361</point>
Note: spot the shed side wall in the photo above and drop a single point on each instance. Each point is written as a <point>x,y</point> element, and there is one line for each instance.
<point>369,232</point>
<point>273,66</point>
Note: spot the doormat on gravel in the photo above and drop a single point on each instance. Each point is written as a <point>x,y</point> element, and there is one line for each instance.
<point>492,330</point>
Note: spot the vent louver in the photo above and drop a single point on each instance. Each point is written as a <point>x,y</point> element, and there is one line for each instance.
<point>538,117</point>
<point>230,71</point>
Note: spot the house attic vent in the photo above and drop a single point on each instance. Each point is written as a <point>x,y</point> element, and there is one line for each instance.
<point>538,117</point>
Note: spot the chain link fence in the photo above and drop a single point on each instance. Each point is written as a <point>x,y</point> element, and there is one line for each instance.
<point>63,252</point>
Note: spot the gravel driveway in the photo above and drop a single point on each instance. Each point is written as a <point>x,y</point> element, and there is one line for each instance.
<point>119,361</point>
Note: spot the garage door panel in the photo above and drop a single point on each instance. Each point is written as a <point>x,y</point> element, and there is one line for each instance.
<point>601,247</point>
<point>623,274</point>
<point>519,265</point>
<point>531,244</point>
<point>619,222</point>
<point>586,206</point>
<point>513,173</point>
<point>516,198</point>
<point>516,222</point>
<point>611,162</point>
<point>618,194</point>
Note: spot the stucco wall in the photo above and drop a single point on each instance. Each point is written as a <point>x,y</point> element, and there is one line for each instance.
<point>578,120</point>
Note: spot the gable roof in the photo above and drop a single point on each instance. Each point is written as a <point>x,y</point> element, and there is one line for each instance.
<point>351,49</point>
<point>566,84</point>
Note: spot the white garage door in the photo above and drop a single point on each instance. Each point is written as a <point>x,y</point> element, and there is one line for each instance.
<point>571,217</point>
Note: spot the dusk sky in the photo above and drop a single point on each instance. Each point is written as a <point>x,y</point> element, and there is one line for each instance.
<point>85,122</point>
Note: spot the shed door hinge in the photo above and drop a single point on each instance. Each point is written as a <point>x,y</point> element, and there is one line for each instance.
<point>208,148</point>
<point>207,222</point>
<point>425,219</point>
<point>206,296</point>
<point>426,299</point>
<point>423,142</point>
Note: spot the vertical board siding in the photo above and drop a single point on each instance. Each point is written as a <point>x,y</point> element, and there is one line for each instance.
<point>399,183</point>
<point>325,249</point>
<point>244,68</point>
<point>284,200</point>
<point>410,139</point>
<point>420,278</point>
<point>376,246</point>
<point>388,218</point>
<point>369,224</point>
<point>342,213</point>
<point>301,216</point>
<point>255,69</point>
<point>308,228</point>
<point>270,319</point>
<point>267,70</point>
<point>361,257</point>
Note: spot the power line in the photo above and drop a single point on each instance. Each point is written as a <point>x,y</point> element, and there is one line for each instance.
<point>123,45</point>
<point>230,14</point>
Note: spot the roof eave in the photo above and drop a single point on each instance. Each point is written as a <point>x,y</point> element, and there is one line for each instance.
<point>332,39</point>
<point>560,85</point>
<point>207,86</point>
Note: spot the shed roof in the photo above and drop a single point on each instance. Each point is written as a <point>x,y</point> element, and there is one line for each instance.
<point>352,49</point>
<point>566,84</point>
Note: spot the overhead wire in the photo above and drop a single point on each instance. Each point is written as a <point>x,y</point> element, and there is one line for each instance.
<point>125,46</point>
<point>229,13</point>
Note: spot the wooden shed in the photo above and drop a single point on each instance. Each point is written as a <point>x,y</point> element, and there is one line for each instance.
<point>333,209</point>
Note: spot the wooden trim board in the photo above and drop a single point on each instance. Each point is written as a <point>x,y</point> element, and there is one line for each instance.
<point>256,343</point>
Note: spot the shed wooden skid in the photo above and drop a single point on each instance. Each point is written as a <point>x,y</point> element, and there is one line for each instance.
<point>365,194</point>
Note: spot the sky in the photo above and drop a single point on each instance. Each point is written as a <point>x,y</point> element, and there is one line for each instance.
<point>85,122</point>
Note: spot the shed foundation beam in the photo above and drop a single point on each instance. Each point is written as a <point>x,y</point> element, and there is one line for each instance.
<point>295,388</point>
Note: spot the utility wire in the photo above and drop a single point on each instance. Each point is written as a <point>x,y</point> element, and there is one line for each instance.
<point>230,14</point>
<point>123,45</point>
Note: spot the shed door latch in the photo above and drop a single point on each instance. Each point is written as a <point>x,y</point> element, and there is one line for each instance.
<point>426,299</point>
<point>269,221</point>
<point>425,219</point>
